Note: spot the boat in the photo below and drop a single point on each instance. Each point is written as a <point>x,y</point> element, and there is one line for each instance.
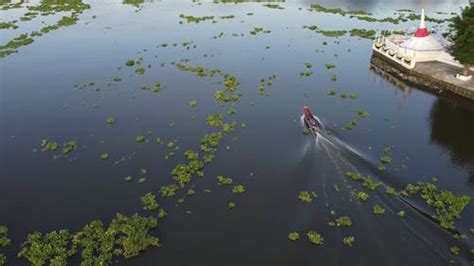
<point>311,121</point>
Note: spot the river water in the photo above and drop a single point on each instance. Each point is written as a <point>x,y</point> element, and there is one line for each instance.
<point>430,136</point>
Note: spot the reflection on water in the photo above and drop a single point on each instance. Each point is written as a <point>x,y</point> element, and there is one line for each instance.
<point>452,127</point>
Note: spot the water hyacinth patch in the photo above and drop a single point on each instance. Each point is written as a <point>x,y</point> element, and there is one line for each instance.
<point>238,189</point>
<point>224,180</point>
<point>69,146</point>
<point>305,196</point>
<point>4,241</point>
<point>401,214</point>
<point>149,202</point>
<point>315,238</point>
<point>49,145</point>
<point>348,241</point>
<point>363,196</point>
<point>294,236</point>
<point>110,121</point>
<point>231,205</point>
<point>385,159</point>
<point>341,221</point>
<point>104,156</point>
<point>378,210</point>
<point>169,190</point>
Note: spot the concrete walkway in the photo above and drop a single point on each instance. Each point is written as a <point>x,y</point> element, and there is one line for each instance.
<point>444,72</point>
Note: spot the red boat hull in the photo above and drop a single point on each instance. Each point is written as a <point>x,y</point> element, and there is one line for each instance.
<point>310,120</point>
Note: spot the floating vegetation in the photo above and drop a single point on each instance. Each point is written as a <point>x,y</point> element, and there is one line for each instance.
<point>341,221</point>
<point>4,241</point>
<point>273,6</point>
<point>258,30</point>
<point>362,113</point>
<point>104,156</point>
<point>322,9</point>
<point>169,190</point>
<point>455,250</point>
<point>329,66</point>
<point>385,159</point>
<point>327,33</point>
<point>401,214</point>
<point>350,125</point>
<point>140,139</point>
<point>69,146</point>
<point>305,196</point>
<point>363,33</point>
<point>149,202</point>
<point>140,70</point>
<point>378,210</point>
<point>128,178</point>
<point>49,145</point>
<point>363,196</point>
<point>192,19</point>
<point>332,92</point>
<point>238,189</point>
<point>446,205</point>
<point>224,180</point>
<point>193,103</point>
<point>110,121</point>
<point>231,205</point>
<point>294,236</point>
<point>348,241</point>
<point>315,238</point>
<point>130,63</point>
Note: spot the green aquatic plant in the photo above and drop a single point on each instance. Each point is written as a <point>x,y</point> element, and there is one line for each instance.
<point>49,145</point>
<point>53,248</point>
<point>110,121</point>
<point>315,238</point>
<point>329,66</point>
<point>391,191</point>
<point>331,92</point>
<point>401,214</point>
<point>348,241</point>
<point>4,241</point>
<point>149,202</point>
<point>128,178</point>
<point>378,210</point>
<point>140,70</point>
<point>104,156</point>
<point>215,120</point>
<point>96,242</point>
<point>455,250</point>
<point>133,234</point>
<point>294,236</point>
<point>322,9</point>
<point>341,221</point>
<point>385,159</point>
<point>305,196</point>
<point>193,103</point>
<point>130,63</point>
<point>238,189</point>
<point>362,113</point>
<point>350,125</point>
<point>273,6</point>
<point>169,190</point>
<point>363,196</point>
<point>363,33</point>
<point>192,19</point>
<point>369,183</point>
<point>140,138</point>
<point>69,146</point>
<point>224,180</point>
<point>231,205</point>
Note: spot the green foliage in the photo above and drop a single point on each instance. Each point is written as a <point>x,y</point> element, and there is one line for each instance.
<point>331,92</point>
<point>463,48</point>
<point>238,189</point>
<point>305,196</point>
<point>169,190</point>
<point>385,159</point>
<point>4,241</point>
<point>350,125</point>
<point>341,221</point>
<point>315,238</point>
<point>378,210</point>
<point>53,248</point>
<point>96,242</point>
<point>130,63</point>
<point>363,196</point>
<point>149,202</point>
<point>401,214</point>
<point>49,145</point>
<point>69,146</point>
<point>110,121</point>
<point>104,156</point>
<point>140,139</point>
<point>348,241</point>
<point>455,250</point>
<point>224,180</point>
<point>231,205</point>
<point>294,236</point>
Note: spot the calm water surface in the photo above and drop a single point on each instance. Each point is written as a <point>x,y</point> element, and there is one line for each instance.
<point>430,136</point>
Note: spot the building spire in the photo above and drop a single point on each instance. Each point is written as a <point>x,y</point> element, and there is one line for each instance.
<point>422,22</point>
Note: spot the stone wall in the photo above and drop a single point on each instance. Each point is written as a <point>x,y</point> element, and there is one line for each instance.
<point>425,81</point>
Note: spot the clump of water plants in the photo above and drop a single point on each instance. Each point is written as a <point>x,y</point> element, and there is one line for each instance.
<point>363,196</point>
<point>69,146</point>
<point>362,113</point>
<point>140,138</point>
<point>294,236</point>
<point>273,6</point>
<point>4,241</point>
<point>341,221</point>
<point>104,156</point>
<point>231,205</point>
<point>193,103</point>
<point>332,92</point>
<point>315,237</point>
<point>350,125</point>
<point>110,121</point>
<point>378,210</point>
<point>305,196</point>
<point>169,190</point>
<point>53,248</point>
<point>49,145</point>
<point>238,189</point>
<point>149,202</point>
<point>222,180</point>
<point>348,241</point>
<point>401,214</point>
<point>455,250</point>
<point>385,159</point>
<point>192,19</point>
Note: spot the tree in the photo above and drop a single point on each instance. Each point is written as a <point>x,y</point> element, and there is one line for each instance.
<point>463,49</point>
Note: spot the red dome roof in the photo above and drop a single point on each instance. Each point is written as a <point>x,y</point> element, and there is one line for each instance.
<point>422,32</point>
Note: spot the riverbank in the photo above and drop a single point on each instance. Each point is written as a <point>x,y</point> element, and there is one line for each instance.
<point>435,76</point>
